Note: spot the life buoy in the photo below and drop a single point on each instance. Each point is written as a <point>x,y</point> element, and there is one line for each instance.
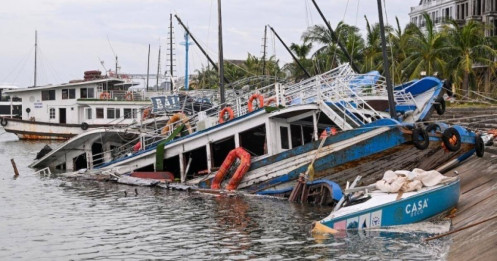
<point>128,96</point>
<point>252,98</point>
<point>4,122</point>
<point>244,157</point>
<point>84,126</point>
<point>271,100</point>
<point>146,113</point>
<point>451,139</point>
<point>176,117</point>
<point>439,105</point>
<point>222,113</point>
<point>420,138</point>
<point>104,96</point>
<point>479,146</point>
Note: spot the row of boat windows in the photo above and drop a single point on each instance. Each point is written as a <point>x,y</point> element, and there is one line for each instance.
<point>84,93</point>
<point>111,113</point>
<point>254,141</point>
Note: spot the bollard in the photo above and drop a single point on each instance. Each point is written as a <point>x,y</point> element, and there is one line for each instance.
<point>16,172</point>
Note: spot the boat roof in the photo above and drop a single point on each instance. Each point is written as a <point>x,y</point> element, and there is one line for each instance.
<point>65,85</point>
<point>9,87</point>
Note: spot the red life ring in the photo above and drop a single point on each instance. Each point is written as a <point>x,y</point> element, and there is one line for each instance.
<point>104,96</point>
<point>146,113</point>
<point>244,166</point>
<point>128,96</point>
<point>271,100</point>
<point>252,98</point>
<point>223,112</point>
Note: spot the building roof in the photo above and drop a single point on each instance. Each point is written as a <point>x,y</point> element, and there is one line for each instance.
<point>64,85</point>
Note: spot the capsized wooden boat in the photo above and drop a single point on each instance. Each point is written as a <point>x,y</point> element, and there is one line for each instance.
<point>384,209</point>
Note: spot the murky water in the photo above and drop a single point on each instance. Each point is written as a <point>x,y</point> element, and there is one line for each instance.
<point>58,219</point>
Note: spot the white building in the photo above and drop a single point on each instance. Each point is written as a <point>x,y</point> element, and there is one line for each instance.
<point>460,10</point>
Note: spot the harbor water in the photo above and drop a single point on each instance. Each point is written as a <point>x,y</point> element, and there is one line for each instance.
<point>53,218</point>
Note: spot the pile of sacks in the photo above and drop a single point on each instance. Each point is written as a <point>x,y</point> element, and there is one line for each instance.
<point>395,181</point>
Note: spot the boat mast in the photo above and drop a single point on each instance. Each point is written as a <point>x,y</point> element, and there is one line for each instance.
<point>290,52</point>
<point>199,46</point>
<point>36,55</point>
<point>335,38</point>
<point>264,52</point>
<point>386,66</point>
<point>158,70</point>
<point>171,49</point>
<point>148,65</point>
<point>221,59</point>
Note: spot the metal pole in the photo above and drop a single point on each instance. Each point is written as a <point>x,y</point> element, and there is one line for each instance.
<point>187,47</point>
<point>264,52</point>
<point>221,59</point>
<point>386,66</point>
<point>171,43</point>
<point>290,52</point>
<point>158,71</point>
<point>148,65</point>
<point>335,38</point>
<point>199,46</point>
<point>36,55</point>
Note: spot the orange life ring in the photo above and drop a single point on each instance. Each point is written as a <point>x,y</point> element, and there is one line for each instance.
<point>271,100</point>
<point>146,113</point>
<point>128,96</point>
<point>252,98</point>
<point>244,157</point>
<point>104,96</point>
<point>176,117</point>
<point>223,112</point>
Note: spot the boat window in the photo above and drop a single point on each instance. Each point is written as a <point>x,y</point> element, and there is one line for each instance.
<point>100,113</point>
<point>118,113</point>
<point>254,140</point>
<point>296,134</point>
<point>88,113</point>
<point>307,134</point>
<point>68,94</point>
<point>220,149</point>
<point>198,164</point>
<point>111,113</point>
<point>48,95</point>
<point>52,113</point>
<point>172,165</point>
<point>284,137</point>
<point>127,114</point>
<point>86,93</point>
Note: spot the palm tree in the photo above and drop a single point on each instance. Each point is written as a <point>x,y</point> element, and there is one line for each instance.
<point>399,44</point>
<point>468,47</point>
<point>426,50</point>
<point>301,51</point>
<point>328,56</point>
<point>372,49</point>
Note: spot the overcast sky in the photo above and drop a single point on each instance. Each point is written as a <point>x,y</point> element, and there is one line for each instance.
<point>75,35</point>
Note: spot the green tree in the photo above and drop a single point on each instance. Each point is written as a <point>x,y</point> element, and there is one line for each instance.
<point>468,47</point>
<point>426,50</point>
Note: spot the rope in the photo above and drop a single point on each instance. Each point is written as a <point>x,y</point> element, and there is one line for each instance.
<point>460,229</point>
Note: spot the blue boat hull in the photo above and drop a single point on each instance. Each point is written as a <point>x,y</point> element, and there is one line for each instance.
<point>410,210</point>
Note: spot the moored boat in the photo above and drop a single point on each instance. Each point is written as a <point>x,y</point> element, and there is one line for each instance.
<point>382,209</point>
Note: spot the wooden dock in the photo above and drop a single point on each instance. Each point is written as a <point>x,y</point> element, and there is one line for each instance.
<point>478,201</point>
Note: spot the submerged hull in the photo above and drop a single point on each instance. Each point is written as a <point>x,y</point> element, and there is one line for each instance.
<point>365,152</point>
<point>384,210</point>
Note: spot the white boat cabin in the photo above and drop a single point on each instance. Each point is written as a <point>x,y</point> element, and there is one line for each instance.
<point>95,102</point>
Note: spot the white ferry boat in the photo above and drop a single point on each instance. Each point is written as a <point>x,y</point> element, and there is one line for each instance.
<point>66,110</point>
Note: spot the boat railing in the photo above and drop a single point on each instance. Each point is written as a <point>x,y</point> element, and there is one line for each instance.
<point>404,98</point>
<point>333,87</point>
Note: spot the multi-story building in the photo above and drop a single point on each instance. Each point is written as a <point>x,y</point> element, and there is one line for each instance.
<point>460,10</point>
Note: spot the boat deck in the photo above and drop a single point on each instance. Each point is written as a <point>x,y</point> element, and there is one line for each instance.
<point>477,202</point>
